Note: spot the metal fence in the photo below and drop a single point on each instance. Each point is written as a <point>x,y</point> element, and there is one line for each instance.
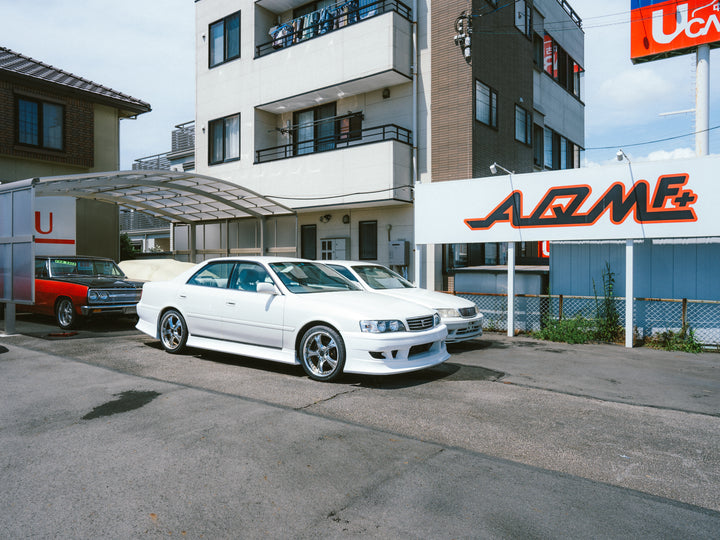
<point>651,316</point>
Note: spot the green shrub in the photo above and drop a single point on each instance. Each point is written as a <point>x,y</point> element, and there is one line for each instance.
<point>682,340</point>
<point>575,330</point>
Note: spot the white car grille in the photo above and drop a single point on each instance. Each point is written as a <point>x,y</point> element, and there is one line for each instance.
<point>420,323</point>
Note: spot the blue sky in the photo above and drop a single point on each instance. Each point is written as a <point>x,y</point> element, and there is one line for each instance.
<point>146,49</point>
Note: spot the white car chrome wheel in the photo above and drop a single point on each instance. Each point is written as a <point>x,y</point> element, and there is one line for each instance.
<point>322,353</point>
<point>173,331</point>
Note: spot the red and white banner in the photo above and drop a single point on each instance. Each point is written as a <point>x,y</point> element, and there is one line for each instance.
<point>659,27</point>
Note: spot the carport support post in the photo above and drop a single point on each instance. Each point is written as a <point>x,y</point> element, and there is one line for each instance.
<point>10,318</point>
<point>511,289</point>
<point>629,293</point>
<point>193,243</point>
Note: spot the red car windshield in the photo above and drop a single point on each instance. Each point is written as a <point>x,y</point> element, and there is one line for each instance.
<point>84,267</point>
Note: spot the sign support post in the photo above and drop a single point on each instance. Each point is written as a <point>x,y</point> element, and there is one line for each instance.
<point>629,293</point>
<point>511,289</point>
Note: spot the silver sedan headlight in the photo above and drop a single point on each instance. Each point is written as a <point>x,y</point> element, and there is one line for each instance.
<point>446,313</point>
<point>380,327</point>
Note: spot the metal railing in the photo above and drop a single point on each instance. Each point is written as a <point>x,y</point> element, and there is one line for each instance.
<point>328,20</point>
<point>651,316</point>
<point>570,11</point>
<point>388,132</point>
<point>156,162</point>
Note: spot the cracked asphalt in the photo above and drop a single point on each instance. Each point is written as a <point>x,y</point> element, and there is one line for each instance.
<point>102,434</point>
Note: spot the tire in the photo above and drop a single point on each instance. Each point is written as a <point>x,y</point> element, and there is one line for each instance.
<point>173,332</point>
<point>322,353</point>
<point>65,314</point>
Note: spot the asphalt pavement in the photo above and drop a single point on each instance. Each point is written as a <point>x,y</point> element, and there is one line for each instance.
<point>104,435</point>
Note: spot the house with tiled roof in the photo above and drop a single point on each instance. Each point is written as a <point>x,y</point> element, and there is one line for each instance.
<point>53,122</point>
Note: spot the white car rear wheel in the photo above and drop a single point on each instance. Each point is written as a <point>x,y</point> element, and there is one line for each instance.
<point>173,332</point>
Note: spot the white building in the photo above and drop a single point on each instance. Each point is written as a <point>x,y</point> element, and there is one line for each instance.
<point>335,109</point>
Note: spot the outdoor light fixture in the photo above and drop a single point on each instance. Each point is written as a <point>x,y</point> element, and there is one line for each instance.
<point>620,155</point>
<point>325,218</point>
<point>494,168</point>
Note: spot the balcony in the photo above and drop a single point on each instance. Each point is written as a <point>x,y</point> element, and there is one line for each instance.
<point>324,21</point>
<point>348,165</point>
<point>331,134</point>
<point>363,56</point>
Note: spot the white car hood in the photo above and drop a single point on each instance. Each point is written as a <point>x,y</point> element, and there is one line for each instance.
<point>430,299</point>
<point>366,305</point>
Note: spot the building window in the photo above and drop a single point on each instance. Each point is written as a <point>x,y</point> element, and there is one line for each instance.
<point>485,104</point>
<point>538,145</point>
<point>560,66</point>
<point>523,125</point>
<point>548,148</point>
<point>523,17</point>
<point>40,124</point>
<point>314,129</point>
<point>225,39</point>
<point>368,240</point>
<point>224,144</point>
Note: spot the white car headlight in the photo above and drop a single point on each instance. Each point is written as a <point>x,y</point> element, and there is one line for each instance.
<point>436,319</point>
<point>447,312</point>
<point>379,327</point>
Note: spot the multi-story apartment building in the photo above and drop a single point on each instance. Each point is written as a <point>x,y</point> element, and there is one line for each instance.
<point>336,108</point>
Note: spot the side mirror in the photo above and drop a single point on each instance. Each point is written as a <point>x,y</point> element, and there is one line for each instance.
<point>266,288</point>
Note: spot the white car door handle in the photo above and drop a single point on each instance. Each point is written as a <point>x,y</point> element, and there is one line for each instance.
<point>230,303</point>
<point>183,296</point>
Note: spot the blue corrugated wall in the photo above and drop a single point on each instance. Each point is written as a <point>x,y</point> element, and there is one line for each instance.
<point>678,271</point>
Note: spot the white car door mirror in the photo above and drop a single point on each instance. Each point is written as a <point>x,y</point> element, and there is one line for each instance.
<point>266,288</point>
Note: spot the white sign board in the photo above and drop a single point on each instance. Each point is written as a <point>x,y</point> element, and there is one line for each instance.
<point>660,199</point>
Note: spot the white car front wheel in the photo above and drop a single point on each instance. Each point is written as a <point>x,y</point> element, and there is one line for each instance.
<point>322,353</point>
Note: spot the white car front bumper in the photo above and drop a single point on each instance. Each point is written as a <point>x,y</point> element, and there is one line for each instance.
<point>394,352</point>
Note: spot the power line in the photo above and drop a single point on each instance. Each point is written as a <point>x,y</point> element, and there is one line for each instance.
<point>651,142</point>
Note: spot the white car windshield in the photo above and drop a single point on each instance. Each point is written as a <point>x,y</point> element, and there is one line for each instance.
<point>307,277</point>
<point>379,277</point>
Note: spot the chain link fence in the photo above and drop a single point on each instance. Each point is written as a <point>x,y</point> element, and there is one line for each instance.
<point>651,316</point>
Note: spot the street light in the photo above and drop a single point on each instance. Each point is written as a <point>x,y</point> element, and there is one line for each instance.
<point>494,168</point>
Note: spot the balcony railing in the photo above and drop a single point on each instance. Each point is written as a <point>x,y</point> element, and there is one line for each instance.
<point>388,132</point>
<point>326,20</point>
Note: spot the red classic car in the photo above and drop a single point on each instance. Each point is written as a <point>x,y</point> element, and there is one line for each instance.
<point>70,288</point>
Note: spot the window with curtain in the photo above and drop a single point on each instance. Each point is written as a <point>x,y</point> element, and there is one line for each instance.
<point>224,39</point>
<point>485,104</point>
<point>40,123</point>
<point>314,129</point>
<point>224,139</point>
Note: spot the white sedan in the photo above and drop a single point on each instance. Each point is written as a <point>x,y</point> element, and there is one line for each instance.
<point>461,316</point>
<point>292,311</point>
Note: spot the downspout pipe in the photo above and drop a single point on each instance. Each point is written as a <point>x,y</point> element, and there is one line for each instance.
<point>415,175</point>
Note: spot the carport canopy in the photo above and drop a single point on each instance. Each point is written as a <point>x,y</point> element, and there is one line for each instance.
<point>179,197</point>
